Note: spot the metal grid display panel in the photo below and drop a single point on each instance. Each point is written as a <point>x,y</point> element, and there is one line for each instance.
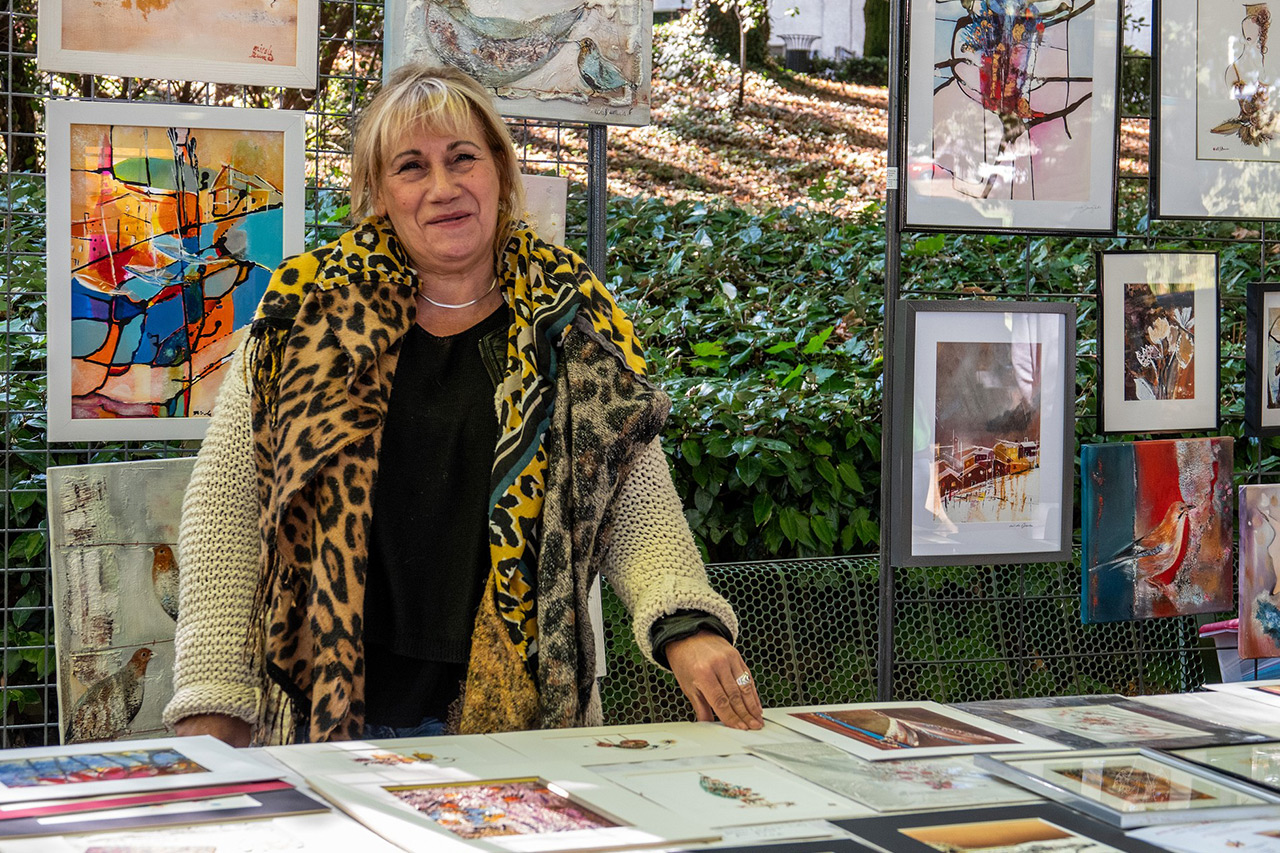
<point>350,67</point>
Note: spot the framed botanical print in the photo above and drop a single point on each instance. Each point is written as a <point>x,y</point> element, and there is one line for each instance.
<point>1262,360</point>
<point>1214,152</point>
<point>252,42</point>
<point>165,222</point>
<point>1156,528</point>
<point>983,467</point>
<point>550,59</point>
<point>1158,342</point>
<point>1011,118</point>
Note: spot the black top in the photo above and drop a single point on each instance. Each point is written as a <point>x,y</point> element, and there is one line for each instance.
<point>429,542</point>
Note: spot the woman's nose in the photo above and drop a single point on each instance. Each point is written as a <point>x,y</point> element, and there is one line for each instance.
<point>443,185</point>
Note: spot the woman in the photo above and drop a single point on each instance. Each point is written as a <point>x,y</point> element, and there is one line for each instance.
<point>409,563</point>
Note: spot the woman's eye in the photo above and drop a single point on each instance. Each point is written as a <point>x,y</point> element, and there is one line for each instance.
<point>465,158</point>
<point>408,165</point>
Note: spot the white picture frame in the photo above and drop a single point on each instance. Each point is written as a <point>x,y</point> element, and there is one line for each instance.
<point>882,731</point>
<point>1266,691</point>
<point>226,244</point>
<point>562,44</point>
<point>247,42</point>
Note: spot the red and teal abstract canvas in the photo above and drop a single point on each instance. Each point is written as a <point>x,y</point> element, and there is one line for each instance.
<point>1157,527</point>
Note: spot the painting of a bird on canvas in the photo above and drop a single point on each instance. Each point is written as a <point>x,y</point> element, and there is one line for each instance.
<point>567,60</point>
<point>1157,529</point>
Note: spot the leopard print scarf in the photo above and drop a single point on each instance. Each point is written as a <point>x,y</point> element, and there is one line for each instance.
<point>325,341</point>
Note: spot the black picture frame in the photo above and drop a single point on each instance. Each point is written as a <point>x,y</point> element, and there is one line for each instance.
<point>1261,403</point>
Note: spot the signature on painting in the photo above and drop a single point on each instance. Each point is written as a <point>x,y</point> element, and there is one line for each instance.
<point>262,51</point>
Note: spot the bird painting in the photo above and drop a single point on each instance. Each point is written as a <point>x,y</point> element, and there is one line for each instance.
<point>164,579</point>
<point>496,51</point>
<point>601,75</point>
<point>107,708</point>
<point>1156,556</point>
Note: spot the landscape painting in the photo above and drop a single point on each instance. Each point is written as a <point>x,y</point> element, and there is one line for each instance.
<point>113,543</point>
<point>173,220</point>
<point>1259,631</point>
<point>988,432</point>
<point>253,42</point>
<point>499,808</point>
<point>1012,114</point>
<point>566,60</point>
<point>1157,529</point>
<point>1236,92</point>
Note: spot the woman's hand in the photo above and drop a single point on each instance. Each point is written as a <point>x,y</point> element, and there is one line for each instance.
<point>232,730</point>
<point>708,669</point>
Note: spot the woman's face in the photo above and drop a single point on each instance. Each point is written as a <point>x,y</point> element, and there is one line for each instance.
<point>441,195</point>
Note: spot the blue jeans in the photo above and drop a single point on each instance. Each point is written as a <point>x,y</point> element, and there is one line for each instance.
<point>427,727</point>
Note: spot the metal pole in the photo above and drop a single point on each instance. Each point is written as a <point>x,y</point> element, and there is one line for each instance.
<point>597,196</point>
<point>892,274</point>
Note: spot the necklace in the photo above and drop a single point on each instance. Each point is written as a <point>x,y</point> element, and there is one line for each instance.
<point>422,295</point>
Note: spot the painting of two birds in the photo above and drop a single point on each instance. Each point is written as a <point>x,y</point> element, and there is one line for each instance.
<point>584,60</point>
<point>1157,520</point>
<point>115,589</point>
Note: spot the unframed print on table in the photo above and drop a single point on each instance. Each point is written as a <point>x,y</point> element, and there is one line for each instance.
<point>403,759</point>
<point>614,744</point>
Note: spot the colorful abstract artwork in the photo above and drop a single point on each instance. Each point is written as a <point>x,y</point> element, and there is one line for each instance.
<point>255,42</point>
<point>96,767</point>
<point>1157,528</point>
<point>1237,97</point>
<point>901,728</point>
<point>567,60</point>
<point>1030,835</point>
<point>1259,635</point>
<point>1015,124</point>
<point>174,221</point>
<point>499,808</point>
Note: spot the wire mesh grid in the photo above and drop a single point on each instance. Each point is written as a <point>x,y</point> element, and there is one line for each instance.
<point>350,67</point>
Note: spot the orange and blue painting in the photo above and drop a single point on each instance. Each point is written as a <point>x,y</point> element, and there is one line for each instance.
<point>1157,529</point>
<point>174,234</point>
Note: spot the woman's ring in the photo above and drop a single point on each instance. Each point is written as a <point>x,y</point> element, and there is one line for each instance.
<point>744,679</point>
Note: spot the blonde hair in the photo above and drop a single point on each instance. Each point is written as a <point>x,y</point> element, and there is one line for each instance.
<point>444,101</point>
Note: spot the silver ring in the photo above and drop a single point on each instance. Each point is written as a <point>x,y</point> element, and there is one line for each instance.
<point>744,679</point>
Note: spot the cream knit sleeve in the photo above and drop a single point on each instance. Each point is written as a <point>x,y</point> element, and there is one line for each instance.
<point>653,564</point>
<point>218,546</point>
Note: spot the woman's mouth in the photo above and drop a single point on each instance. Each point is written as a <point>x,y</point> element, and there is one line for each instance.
<point>448,218</point>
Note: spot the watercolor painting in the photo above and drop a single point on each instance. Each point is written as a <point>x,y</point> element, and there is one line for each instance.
<point>1157,529</point>
<point>987,455</point>
<point>1107,724</point>
<point>254,42</point>
<point>116,566</point>
<point>172,230</point>
<point>1029,835</point>
<point>95,767</point>
<point>1236,103</point>
<point>1259,635</point>
<point>901,728</point>
<point>569,60</point>
<point>1159,340</point>
<point>1131,784</point>
<point>499,808</point>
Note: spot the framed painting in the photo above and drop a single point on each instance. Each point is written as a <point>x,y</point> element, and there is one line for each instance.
<point>1010,126</point>
<point>1158,342</point>
<point>984,467</point>
<point>113,546</point>
<point>1259,626</point>
<point>1128,788</point>
<point>1214,152</point>
<point>250,42</point>
<point>1266,691</point>
<point>564,60</point>
<point>1090,722</point>
<point>165,223</point>
<point>881,731</point>
<point>1262,360</point>
<point>1011,829</point>
<point>1156,522</point>
<point>1254,763</point>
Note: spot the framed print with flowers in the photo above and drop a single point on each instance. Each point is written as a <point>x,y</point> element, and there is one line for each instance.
<point>1158,342</point>
<point>983,466</point>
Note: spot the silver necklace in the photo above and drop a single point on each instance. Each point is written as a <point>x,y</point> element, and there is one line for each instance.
<point>460,304</point>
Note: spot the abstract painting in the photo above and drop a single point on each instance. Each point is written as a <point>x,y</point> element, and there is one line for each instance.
<point>1262,359</point>
<point>567,60</point>
<point>1215,155</point>
<point>984,471</point>
<point>254,42</point>
<point>95,767</point>
<point>889,730</point>
<point>1157,528</point>
<point>1259,635</point>
<point>1158,341</point>
<point>113,542</point>
<point>499,807</point>
<point>165,223</point>
<point>1011,114</point>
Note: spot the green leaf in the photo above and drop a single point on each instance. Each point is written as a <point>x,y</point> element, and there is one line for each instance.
<point>849,476</point>
<point>705,348</point>
<point>782,347</point>
<point>762,508</point>
<point>749,469</point>
<point>825,470</point>
<point>703,499</point>
<point>819,446</point>
<point>815,343</point>
<point>823,530</point>
<point>691,451</point>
